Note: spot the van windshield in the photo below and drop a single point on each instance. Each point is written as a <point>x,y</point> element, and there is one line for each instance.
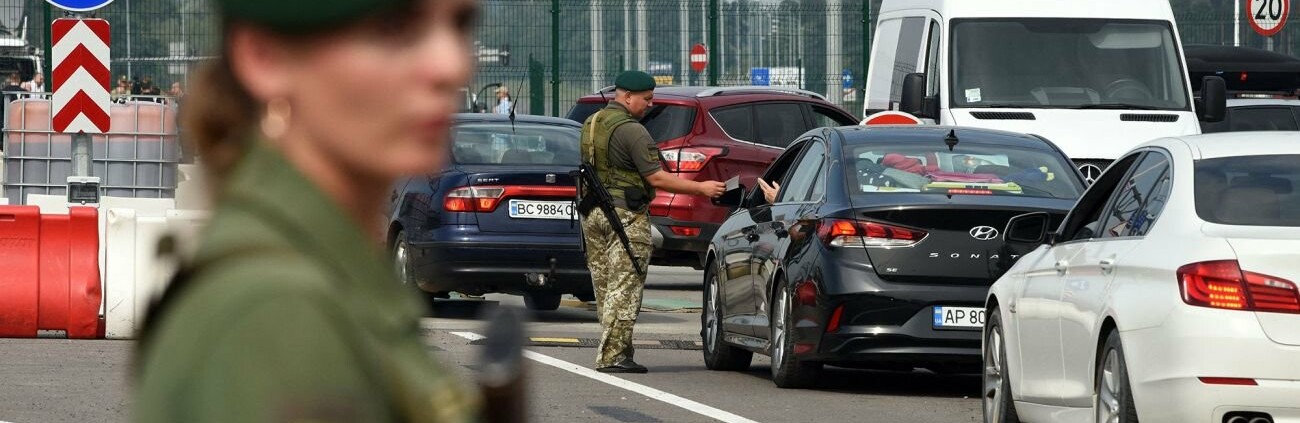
<point>1066,63</point>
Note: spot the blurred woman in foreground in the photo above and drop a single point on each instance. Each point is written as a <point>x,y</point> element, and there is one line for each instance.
<point>289,311</point>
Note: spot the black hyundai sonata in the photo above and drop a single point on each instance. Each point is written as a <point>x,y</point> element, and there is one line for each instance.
<point>878,249</point>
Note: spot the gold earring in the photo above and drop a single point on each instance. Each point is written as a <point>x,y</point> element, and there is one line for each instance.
<point>276,121</point>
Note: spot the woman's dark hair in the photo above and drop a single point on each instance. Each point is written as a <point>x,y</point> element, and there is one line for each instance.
<point>219,115</point>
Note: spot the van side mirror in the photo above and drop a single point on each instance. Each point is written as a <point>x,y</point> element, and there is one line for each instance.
<point>734,197</point>
<point>913,100</point>
<point>1214,100</point>
<point>1029,228</point>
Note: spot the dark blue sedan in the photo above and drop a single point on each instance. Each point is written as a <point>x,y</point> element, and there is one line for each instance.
<point>499,218</point>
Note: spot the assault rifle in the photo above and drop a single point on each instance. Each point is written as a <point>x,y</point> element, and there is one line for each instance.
<point>591,194</point>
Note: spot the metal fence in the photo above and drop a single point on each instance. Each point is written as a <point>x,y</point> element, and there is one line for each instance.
<point>158,39</point>
<point>550,52</point>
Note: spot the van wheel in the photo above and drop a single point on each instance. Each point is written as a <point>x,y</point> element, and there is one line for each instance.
<point>541,302</point>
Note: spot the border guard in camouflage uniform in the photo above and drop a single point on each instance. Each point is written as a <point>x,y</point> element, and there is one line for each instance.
<point>627,163</point>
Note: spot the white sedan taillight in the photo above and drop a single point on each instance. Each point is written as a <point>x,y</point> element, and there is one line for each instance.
<point>1222,284</point>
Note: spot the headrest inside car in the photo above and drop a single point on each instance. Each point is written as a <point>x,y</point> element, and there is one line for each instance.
<point>1277,185</point>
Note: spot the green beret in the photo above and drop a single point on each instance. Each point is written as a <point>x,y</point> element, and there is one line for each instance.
<point>635,81</point>
<point>303,15</point>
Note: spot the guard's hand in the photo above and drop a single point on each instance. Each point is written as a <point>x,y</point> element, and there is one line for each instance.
<point>769,190</point>
<point>712,189</point>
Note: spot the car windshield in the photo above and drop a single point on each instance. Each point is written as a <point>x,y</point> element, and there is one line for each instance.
<point>1060,63</point>
<point>1249,190</point>
<point>664,122</point>
<point>524,144</point>
<point>970,169</point>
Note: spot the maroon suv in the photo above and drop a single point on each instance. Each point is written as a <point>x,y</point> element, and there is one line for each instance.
<point>715,133</point>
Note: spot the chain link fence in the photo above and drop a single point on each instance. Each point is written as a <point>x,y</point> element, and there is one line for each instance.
<point>154,40</point>
<point>550,52</point>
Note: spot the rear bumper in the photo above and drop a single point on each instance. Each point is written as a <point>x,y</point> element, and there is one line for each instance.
<point>667,243</point>
<point>485,263</point>
<point>1165,363</point>
<point>885,322</point>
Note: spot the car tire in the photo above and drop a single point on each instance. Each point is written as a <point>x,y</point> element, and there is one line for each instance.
<point>1114,399</point>
<point>585,297</point>
<point>402,261</point>
<point>405,275</point>
<point>717,354</point>
<point>541,302</point>
<point>788,371</point>
<point>997,399</point>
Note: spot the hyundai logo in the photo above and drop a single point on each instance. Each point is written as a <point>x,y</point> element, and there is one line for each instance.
<point>984,233</point>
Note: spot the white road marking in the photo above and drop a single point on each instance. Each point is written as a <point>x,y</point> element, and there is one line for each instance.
<point>671,399</point>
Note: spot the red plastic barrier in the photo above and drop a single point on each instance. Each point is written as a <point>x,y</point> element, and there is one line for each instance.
<point>20,231</point>
<point>56,283</point>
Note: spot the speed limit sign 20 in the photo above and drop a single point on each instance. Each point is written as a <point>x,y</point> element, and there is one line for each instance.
<point>1268,16</point>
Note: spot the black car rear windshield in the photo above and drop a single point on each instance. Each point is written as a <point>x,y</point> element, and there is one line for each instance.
<point>1249,190</point>
<point>886,168</point>
<point>524,144</point>
<point>665,122</point>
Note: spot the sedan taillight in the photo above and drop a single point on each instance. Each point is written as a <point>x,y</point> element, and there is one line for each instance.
<point>855,233</point>
<point>1222,284</point>
<point>473,199</point>
<point>485,199</point>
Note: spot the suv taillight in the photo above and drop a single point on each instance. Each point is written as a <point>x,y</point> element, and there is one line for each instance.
<point>856,233</point>
<point>688,159</point>
<point>1222,284</point>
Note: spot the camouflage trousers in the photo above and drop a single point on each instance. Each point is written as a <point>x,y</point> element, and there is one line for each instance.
<point>617,285</point>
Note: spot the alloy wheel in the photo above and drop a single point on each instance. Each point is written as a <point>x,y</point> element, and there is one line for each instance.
<point>401,256</point>
<point>778,329</point>
<point>993,375</point>
<point>711,316</point>
<point>1110,390</point>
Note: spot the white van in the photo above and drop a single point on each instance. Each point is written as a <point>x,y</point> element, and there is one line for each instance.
<point>1095,77</point>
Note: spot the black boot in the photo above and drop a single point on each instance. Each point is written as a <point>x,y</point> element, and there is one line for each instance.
<point>625,366</point>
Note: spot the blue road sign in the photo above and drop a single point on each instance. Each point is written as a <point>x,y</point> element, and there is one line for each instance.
<point>80,5</point>
<point>760,76</point>
<point>848,79</point>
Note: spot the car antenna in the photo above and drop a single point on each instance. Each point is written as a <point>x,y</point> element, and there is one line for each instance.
<point>514,104</point>
<point>951,139</point>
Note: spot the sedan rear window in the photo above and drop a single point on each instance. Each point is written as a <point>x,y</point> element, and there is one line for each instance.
<point>1249,190</point>
<point>971,169</point>
<point>524,144</point>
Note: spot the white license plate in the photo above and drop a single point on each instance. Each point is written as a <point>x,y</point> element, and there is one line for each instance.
<point>524,209</point>
<point>958,317</point>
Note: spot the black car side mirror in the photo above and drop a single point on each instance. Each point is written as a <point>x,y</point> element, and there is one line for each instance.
<point>1214,100</point>
<point>734,197</point>
<point>1029,228</point>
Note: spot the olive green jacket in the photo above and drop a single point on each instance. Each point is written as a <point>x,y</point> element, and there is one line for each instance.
<point>291,314</point>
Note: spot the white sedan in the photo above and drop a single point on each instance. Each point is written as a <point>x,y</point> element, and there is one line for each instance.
<point>1167,294</point>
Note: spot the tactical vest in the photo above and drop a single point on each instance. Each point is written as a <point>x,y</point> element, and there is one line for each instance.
<point>596,134</point>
